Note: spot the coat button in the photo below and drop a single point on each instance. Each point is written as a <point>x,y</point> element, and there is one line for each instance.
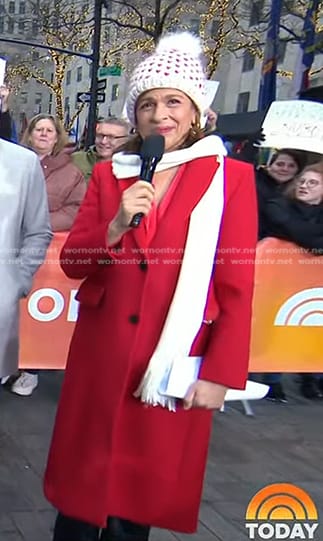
<point>134,319</point>
<point>143,265</point>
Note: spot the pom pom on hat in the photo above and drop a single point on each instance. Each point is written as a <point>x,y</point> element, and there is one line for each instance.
<point>180,41</point>
<point>176,63</point>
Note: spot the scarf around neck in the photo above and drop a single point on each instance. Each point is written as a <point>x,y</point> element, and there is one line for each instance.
<point>128,165</point>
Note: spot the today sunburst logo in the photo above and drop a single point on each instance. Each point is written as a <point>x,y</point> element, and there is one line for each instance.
<point>281,511</point>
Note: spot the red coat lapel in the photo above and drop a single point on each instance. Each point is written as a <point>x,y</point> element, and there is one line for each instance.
<point>194,182</point>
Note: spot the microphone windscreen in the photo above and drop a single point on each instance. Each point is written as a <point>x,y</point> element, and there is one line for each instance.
<point>152,147</point>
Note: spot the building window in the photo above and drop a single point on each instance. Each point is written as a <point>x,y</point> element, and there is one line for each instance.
<point>12,7</point>
<point>215,28</point>
<point>79,74</point>
<point>66,104</point>
<point>22,8</point>
<point>287,7</point>
<point>248,61</point>
<point>243,102</point>
<point>10,27</point>
<point>21,27</point>
<point>256,14</point>
<point>35,28</point>
<point>108,8</point>
<point>114,92</point>
<point>282,46</point>
<point>318,43</point>
<point>68,77</point>
<point>23,98</point>
<point>1,25</point>
<point>35,55</point>
<point>194,25</point>
<point>38,98</point>
<point>107,35</point>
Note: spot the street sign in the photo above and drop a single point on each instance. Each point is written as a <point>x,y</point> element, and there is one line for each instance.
<point>85,97</point>
<point>105,71</point>
<point>100,97</point>
<point>101,85</point>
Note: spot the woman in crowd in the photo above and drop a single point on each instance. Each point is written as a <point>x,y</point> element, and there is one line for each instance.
<point>123,456</point>
<point>274,179</point>
<point>65,183</point>
<point>298,217</point>
<point>66,188</point>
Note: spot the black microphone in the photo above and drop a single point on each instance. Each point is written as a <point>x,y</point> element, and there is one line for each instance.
<point>151,152</point>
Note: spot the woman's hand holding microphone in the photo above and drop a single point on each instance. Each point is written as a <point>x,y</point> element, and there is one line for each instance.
<point>136,199</point>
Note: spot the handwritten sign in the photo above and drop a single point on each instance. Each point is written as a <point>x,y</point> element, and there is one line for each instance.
<point>211,88</point>
<point>294,124</point>
<point>2,70</point>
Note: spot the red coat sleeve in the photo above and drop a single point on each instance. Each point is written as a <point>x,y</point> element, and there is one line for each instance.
<point>86,248</point>
<point>227,355</point>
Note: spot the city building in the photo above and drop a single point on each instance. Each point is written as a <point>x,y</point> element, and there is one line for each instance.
<point>239,74</point>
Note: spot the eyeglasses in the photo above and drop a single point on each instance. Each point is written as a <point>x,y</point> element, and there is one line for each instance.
<point>109,137</point>
<point>310,183</point>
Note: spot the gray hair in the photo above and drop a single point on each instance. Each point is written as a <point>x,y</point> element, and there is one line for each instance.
<point>115,121</point>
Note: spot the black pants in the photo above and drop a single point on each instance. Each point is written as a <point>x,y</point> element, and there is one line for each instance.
<point>69,529</point>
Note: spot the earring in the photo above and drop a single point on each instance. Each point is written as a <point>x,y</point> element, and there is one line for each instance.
<point>195,127</point>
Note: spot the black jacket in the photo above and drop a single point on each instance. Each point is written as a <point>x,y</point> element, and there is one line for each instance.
<point>267,188</point>
<point>297,222</point>
<point>5,126</point>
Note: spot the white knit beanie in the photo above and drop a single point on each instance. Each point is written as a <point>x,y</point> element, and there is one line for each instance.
<point>176,63</point>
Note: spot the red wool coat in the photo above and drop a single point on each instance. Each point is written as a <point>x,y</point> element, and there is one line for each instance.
<point>111,455</point>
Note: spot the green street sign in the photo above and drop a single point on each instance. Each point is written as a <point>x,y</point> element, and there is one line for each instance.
<point>105,71</point>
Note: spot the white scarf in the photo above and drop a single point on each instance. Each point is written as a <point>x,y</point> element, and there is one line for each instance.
<point>128,165</point>
<point>185,314</point>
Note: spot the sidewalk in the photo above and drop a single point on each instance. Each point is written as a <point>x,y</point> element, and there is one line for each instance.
<point>281,443</point>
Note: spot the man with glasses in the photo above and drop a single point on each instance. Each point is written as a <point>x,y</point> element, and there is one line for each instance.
<point>110,134</point>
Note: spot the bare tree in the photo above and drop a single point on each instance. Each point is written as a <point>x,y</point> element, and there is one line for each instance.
<point>59,24</point>
<point>138,25</point>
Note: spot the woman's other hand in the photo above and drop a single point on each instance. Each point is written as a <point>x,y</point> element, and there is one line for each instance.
<point>205,394</point>
<point>136,199</point>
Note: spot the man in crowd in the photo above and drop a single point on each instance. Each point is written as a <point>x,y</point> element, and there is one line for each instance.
<point>110,133</point>
<point>24,236</point>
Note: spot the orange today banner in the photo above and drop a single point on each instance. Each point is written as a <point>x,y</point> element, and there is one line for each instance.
<point>287,312</point>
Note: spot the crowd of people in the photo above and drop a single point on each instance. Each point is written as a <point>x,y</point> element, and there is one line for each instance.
<point>124,456</point>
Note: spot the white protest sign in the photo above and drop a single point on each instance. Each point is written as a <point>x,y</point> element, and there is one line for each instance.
<point>2,70</point>
<point>211,88</point>
<point>294,124</point>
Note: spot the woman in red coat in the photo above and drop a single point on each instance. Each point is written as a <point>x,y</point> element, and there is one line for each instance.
<point>125,457</point>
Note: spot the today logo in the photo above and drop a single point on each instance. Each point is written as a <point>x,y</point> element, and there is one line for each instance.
<point>281,511</point>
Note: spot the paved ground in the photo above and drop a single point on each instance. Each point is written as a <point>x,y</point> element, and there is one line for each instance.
<point>281,443</point>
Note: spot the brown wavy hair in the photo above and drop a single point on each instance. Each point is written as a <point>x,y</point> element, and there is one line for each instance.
<point>62,139</point>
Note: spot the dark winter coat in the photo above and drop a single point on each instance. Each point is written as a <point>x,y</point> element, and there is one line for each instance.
<point>295,221</point>
<point>267,188</point>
